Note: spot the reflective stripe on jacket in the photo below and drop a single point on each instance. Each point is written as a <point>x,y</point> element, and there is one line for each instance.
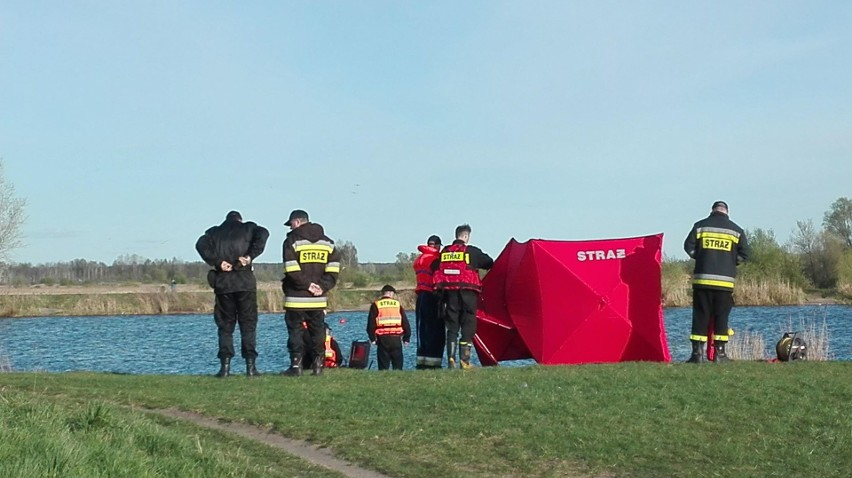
<point>717,244</point>
<point>389,319</point>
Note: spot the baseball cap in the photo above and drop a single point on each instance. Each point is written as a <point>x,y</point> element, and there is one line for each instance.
<point>234,215</point>
<point>388,288</point>
<point>720,204</point>
<point>434,240</point>
<point>296,214</point>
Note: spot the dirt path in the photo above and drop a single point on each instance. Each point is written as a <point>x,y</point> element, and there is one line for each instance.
<point>304,450</point>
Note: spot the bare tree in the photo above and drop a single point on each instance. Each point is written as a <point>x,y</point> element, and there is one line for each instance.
<point>11,217</point>
<point>838,220</point>
<point>820,253</point>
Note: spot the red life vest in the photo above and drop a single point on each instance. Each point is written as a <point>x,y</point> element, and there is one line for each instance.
<point>423,268</point>
<point>389,319</point>
<point>454,271</point>
<point>330,354</point>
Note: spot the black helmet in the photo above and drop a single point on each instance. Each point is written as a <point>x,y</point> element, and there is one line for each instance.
<point>791,347</point>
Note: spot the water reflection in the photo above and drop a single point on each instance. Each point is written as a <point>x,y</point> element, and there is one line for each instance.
<point>187,344</point>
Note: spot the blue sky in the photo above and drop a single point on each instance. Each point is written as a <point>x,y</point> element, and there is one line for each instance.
<point>131,127</point>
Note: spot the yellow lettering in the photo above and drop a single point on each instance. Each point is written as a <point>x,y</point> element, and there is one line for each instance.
<point>452,256</point>
<point>717,244</point>
<point>320,257</point>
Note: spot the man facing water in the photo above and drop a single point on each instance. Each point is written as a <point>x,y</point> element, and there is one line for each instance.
<point>718,245</point>
<point>230,248</point>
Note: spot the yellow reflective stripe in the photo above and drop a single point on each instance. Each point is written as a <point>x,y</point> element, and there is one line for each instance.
<point>289,304</point>
<point>292,266</point>
<point>332,269</point>
<point>717,283</point>
<point>720,338</point>
<point>702,338</point>
<point>718,235</point>
<point>314,247</point>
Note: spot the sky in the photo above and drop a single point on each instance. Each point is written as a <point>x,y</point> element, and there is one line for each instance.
<point>131,127</point>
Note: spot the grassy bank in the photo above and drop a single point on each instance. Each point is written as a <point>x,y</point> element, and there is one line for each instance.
<point>636,419</point>
<point>100,302</point>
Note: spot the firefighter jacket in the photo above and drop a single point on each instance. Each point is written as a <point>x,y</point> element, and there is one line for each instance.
<point>228,242</point>
<point>423,268</point>
<point>457,267</point>
<point>309,257</point>
<point>718,245</point>
<point>387,317</point>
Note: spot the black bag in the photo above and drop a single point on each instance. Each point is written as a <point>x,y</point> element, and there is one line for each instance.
<point>359,354</point>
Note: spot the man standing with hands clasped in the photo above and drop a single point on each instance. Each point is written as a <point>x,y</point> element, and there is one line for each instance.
<point>230,249</point>
<point>311,266</point>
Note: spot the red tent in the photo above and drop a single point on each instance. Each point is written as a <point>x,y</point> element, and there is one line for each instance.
<point>568,302</point>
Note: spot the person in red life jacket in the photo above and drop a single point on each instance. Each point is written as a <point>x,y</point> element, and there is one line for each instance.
<point>388,329</point>
<point>431,333</point>
<point>456,279</point>
<point>718,246</point>
<point>229,249</point>
<point>311,267</point>
<point>332,357</point>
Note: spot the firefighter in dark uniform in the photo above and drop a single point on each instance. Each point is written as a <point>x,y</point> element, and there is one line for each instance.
<point>230,249</point>
<point>456,278</point>
<point>311,267</point>
<point>388,328</point>
<point>431,331</point>
<point>718,245</point>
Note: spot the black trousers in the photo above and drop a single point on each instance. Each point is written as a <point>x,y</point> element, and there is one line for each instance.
<point>707,304</point>
<point>431,331</point>
<point>315,318</point>
<point>389,351</point>
<point>233,308</point>
<point>460,314</point>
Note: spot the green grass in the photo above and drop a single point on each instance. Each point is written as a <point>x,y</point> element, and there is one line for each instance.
<point>636,419</point>
<point>43,435</point>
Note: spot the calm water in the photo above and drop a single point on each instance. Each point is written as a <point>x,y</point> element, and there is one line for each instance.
<point>187,344</point>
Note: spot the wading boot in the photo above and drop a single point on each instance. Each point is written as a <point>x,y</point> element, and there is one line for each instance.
<point>451,354</point>
<point>464,355</point>
<point>295,369</point>
<point>225,369</point>
<point>251,369</point>
<point>697,355</point>
<point>316,367</point>
<point>721,356</point>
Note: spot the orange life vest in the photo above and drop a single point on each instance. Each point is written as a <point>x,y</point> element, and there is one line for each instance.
<point>454,272</point>
<point>330,354</point>
<point>389,319</point>
<point>423,268</point>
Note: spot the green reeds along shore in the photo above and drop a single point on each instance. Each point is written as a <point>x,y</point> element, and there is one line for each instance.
<point>632,419</point>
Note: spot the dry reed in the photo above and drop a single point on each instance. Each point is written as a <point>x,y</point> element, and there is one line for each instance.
<point>779,292</point>
<point>814,331</point>
<point>747,345</point>
<point>5,363</point>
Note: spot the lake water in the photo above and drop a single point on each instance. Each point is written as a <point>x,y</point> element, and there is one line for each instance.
<point>187,344</point>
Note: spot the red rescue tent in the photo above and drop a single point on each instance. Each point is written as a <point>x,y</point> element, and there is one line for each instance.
<point>571,302</point>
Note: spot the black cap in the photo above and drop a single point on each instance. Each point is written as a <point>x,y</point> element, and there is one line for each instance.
<point>434,239</point>
<point>388,288</point>
<point>234,215</point>
<point>297,214</point>
<point>720,204</point>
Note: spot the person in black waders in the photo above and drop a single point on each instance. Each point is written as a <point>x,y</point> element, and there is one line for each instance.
<point>456,279</point>
<point>311,267</point>
<point>718,246</point>
<point>431,331</point>
<point>230,248</point>
<point>388,329</point>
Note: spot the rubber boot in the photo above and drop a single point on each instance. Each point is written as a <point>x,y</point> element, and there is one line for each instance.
<point>317,366</point>
<point>225,369</point>
<point>721,355</point>
<point>464,356</point>
<point>251,368</point>
<point>451,354</point>
<point>295,369</point>
<point>697,355</point>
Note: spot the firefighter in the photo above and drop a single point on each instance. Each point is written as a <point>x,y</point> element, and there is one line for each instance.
<point>456,278</point>
<point>230,249</point>
<point>388,329</point>
<point>311,267</point>
<point>332,356</point>
<point>718,246</point>
<point>431,333</point>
